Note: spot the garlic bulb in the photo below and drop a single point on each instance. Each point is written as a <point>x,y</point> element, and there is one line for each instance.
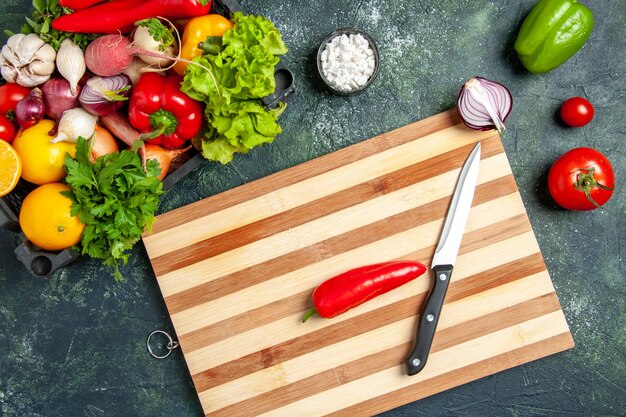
<point>75,123</point>
<point>27,60</point>
<point>71,63</point>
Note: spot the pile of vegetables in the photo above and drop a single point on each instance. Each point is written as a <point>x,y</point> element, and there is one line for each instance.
<point>244,71</point>
<point>134,84</point>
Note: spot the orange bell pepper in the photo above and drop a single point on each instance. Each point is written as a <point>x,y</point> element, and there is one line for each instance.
<point>197,30</point>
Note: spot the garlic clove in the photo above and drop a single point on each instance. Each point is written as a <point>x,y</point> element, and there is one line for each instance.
<point>9,73</point>
<point>70,61</point>
<point>10,55</point>
<point>61,137</point>
<point>41,68</point>
<point>28,47</point>
<point>75,123</point>
<point>46,53</point>
<point>13,43</point>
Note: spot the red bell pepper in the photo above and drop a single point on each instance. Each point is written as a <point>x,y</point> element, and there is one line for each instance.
<point>120,15</point>
<point>356,286</point>
<point>162,112</point>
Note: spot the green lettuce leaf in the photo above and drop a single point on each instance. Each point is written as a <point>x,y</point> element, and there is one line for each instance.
<point>252,30</point>
<point>232,83</point>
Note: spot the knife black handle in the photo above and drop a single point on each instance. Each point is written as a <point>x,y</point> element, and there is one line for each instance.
<point>429,319</point>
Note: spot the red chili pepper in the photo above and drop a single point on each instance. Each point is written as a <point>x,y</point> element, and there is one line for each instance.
<point>78,4</point>
<point>120,15</point>
<point>352,288</point>
<point>159,109</point>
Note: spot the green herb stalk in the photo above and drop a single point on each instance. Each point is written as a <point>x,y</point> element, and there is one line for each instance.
<point>116,200</point>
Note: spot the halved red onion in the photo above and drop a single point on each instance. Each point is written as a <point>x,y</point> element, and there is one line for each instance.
<point>484,104</point>
<point>105,95</point>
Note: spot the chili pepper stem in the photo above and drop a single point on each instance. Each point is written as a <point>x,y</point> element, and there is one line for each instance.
<point>308,314</point>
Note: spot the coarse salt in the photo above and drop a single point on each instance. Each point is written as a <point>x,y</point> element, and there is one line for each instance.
<point>348,62</point>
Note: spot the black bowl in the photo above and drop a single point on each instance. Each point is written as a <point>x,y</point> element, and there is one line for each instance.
<point>348,31</point>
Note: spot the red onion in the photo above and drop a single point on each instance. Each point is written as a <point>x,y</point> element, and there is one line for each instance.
<point>31,109</point>
<point>484,104</point>
<point>58,97</point>
<point>105,95</point>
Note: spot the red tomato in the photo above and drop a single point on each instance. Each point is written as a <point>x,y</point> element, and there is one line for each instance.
<point>10,94</point>
<point>577,112</point>
<point>7,129</point>
<point>581,179</point>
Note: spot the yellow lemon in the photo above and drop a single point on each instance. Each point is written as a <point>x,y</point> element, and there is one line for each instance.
<point>42,160</point>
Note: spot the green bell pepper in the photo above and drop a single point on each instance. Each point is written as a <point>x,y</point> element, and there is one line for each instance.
<point>553,31</point>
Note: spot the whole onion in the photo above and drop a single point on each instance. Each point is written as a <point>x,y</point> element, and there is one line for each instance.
<point>31,109</point>
<point>58,97</point>
<point>105,95</point>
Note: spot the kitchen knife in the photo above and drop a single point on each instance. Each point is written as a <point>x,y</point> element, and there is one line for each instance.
<point>443,261</point>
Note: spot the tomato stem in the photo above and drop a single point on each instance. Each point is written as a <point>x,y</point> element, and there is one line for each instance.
<point>586,181</point>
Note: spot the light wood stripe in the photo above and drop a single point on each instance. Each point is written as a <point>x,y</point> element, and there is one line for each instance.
<point>296,216</point>
<point>456,357</point>
<point>322,251</point>
<point>315,231</point>
<point>283,199</point>
<point>237,271</point>
<point>461,376</point>
<point>253,299</point>
<point>290,328</point>
<point>306,170</point>
<point>231,314</point>
<point>402,308</point>
<point>388,346</point>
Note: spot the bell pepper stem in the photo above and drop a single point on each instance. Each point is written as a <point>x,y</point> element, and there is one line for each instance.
<point>163,122</point>
<point>211,45</point>
<point>308,314</point>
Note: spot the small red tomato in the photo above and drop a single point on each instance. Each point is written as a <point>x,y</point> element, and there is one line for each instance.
<point>577,111</point>
<point>10,94</point>
<point>7,129</point>
<point>581,179</point>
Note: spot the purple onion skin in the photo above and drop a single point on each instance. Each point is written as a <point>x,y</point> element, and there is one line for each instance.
<point>30,110</point>
<point>489,127</point>
<point>104,108</point>
<point>97,104</point>
<point>58,97</point>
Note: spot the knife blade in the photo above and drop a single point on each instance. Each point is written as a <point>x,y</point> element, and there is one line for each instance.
<point>444,260</point>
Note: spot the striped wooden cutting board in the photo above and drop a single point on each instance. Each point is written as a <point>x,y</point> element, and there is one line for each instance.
<point>237,271</point>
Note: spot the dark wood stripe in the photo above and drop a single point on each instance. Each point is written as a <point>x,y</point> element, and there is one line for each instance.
<point>342,243</point>
<point>317,209</point>
<point>306,170</point>
<point>391,357</point>
<point>431,386</point>
<point>298,303</point>
<point>363,323</point>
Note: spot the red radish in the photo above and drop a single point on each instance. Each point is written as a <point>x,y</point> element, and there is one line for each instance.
<point>108,55</point>
<point>113,54</point>
<point>163,156</point>
<point>103,143</point>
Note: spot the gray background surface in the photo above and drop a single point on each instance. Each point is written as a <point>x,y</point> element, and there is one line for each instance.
<point>74,344</point>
